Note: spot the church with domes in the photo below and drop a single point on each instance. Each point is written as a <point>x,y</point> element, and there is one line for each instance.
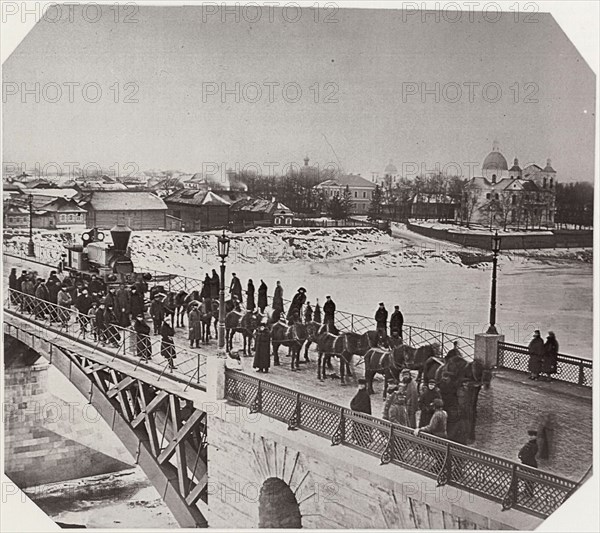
<point>515,196</point>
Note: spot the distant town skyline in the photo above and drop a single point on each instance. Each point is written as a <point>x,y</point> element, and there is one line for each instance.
<point>179,90</point>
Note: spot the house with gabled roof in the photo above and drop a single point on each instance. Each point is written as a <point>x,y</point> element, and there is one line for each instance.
<point>140,210</point>
<point>361,191</point>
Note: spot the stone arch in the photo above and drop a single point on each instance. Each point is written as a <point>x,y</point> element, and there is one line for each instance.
<point>278,506</point>
<point>273,460</point>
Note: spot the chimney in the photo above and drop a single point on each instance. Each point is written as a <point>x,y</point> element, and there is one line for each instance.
<point>548,162</point>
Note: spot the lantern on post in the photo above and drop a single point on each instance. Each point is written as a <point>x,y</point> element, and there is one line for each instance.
<point>496,241</point>
<point>223,252</point>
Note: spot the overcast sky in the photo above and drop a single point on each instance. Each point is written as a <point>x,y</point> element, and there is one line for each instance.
<point>361,78</point>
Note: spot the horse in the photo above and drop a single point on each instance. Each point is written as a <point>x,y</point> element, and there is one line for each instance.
<point>389,363</point>
<point>240,322</point>
<point>292,336</point>
<point>177,303</point>
<point>414,358</point>
<point>329,344</point>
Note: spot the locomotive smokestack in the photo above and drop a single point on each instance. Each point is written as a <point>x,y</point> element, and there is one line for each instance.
<point>120,236</point>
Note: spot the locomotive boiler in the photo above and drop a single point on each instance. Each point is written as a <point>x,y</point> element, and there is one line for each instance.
<point>111,262</point>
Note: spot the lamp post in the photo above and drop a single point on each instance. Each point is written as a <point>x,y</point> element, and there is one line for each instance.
<point>223,249</point>
<point>496,249</point>
<point>30,250</point>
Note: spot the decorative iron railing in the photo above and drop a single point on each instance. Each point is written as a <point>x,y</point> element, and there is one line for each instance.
<point>514,485</point>
<point>114,340</point>
<point>569,368</point>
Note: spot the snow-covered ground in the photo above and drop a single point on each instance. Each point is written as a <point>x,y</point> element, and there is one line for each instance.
<point>540,289</point>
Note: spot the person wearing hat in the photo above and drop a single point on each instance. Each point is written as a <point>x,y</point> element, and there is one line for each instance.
<point>529,451</point>
<point>167,346</point>
<point>278,298</point>
<point>438,423</point>
<point>195,326</point>
<point>408,388</point>
<point>396,322</point>
<point>395,408</point>
<point>381,316</point>
<point>262,348</point>
<point>329,315</point>
<point>453,352</point>
<point>250,302</point>
<point>361,403</point>
<point>262,296</point>
<point>235,287</point>
<point>308,313</point>
<point>536,354</point>
<point>317,314</point>
<point>83,303</point>
<point>157,311</point>
<point>136,302</point>
<point>142,338</point>
<point>298,301</point>
<point>550,360</point>
<point>428,394</point>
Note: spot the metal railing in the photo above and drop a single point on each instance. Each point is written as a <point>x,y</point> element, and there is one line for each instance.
<point>569,369</point>
<point>113,340</point>
<point>514,485</point>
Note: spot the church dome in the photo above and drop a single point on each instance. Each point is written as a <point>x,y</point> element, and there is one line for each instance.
<point>495,160</point>
<point>390,168</point>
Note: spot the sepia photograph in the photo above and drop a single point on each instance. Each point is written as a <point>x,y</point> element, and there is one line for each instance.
<point>299,265</point>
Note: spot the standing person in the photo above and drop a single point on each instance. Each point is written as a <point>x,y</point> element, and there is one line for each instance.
<point>123,306</point>
<point>361,403</point>
<point>296,305</point>
<point>235,287</point>
<point>429,394</point>
<point>454,352</point>
<point>536,354</point>
<point>157,311</point>
<point>396,322</point>
<point>64,302</point>
<point>262,296</point>
<point>205,292</point>
<point>278,298</point>
<point>28,290</point>
<point>13,285</point>
<point>550,361</point>
<point>83,303</point>
<point>92,320</point>
<point>308,313</point>
<point>408,388</point>
<point>53,286</point>
<point>42,301</point>
<point>438,423</point>
<point>96,287</point>
<point>381,316</point>
<point>317,313</point>
<point>141,287</point>
<point>215,285</point>
<point>100,322</point>
<point>136,302</point>
<point>167,346</point>
<point>111,326</point>
<point>262,349</point>
<point>527,456</point>
<point>195,325</point>
<point>142,338</point>
<point>396,408</point>
<point>250,302</point>
<point>329,314</point>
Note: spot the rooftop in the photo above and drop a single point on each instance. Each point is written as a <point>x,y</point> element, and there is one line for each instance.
<point>125,201</point>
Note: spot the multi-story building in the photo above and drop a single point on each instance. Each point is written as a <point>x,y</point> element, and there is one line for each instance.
<point>361,191</point>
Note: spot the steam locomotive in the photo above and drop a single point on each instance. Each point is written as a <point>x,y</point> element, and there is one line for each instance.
<point>110,262</point>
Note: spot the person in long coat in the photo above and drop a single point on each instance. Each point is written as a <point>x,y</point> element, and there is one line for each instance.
<point>157,311</point>
<point>527,456</point>
<point>64,302</point>
<point>381,316</point>
<point>278,297</point>
<point>262,296</point>
<point>111,330</point>
<point>408,388</point>
<point>317,313</point>
<point>329,314</point>
<point>215,285</point>
<point>395,410</point>
<point>235,287</point>
<point>550,360</point>
<point>100,324</point>
<point>136,302</point>
<point>536,354</point>
<point>123,306</point>
<point>142,338</point>
<point>396,322</point>
<point>429,394</point>
<point>298,300</point>
<point>195,326</point>
<point>262,349</point>
<point>42,297</point>
<point>250,303</point>
<point>361,403</point>
<point>308,313</point>
<point>13,284</point>
<point>205,292</point>
<point>167,346</point>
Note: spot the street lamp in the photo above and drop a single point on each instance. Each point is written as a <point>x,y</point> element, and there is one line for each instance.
<point>223,250</point>
<point>30,250</point>
<point>496,249</point>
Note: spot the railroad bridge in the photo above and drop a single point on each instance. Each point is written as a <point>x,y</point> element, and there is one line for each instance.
<point>224,448</point>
